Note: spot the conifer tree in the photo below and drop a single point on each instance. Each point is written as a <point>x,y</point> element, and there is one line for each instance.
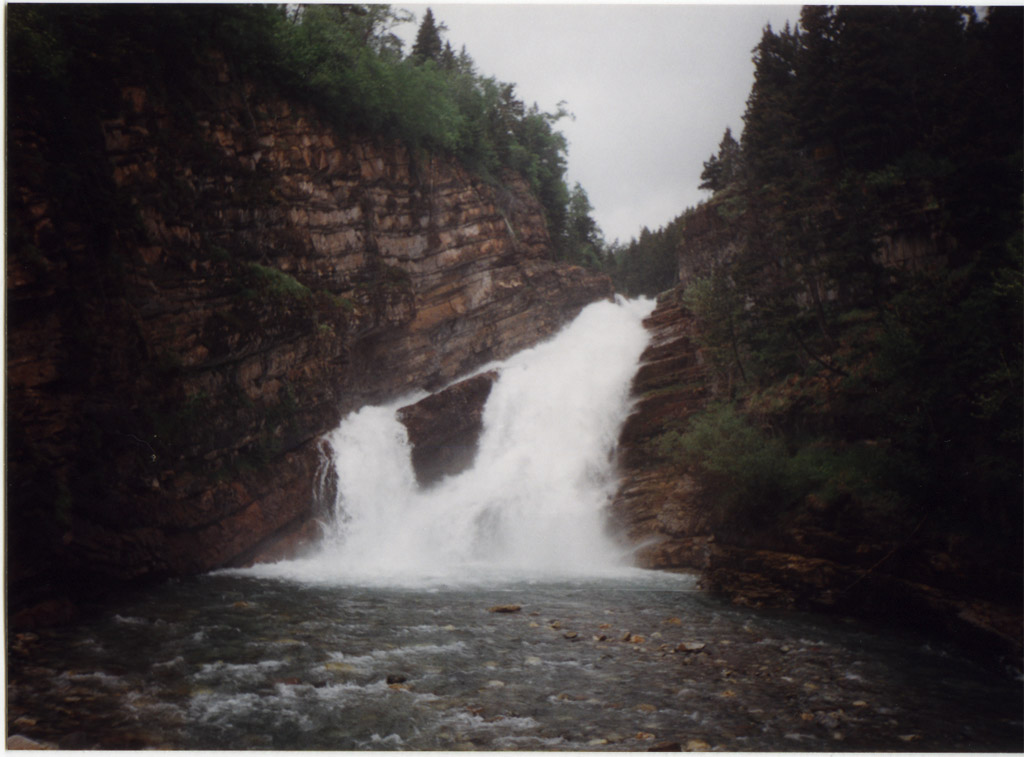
<point>722,169</point>
<point>428,40</point>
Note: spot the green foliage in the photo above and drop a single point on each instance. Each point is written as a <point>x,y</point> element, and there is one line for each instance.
<point>648,265</point>
<point>345,60</point>
<point>884,383</point>
<point>583,243</point>
<point>718,308</point>
<point>428,40</point>
<point>758,479</point>
<point>276,283</point>
<point>722,169</point>
<point>746,468</point>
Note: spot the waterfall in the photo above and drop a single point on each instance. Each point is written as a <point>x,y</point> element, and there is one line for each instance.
<point>534,501</point>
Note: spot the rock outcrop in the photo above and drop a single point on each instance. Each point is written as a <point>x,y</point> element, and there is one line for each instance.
<point>656,506</point>
<point>444,428</point>
<point>243,276</point>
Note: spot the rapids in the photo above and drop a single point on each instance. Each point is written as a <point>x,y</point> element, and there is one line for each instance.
<point>238,662</point>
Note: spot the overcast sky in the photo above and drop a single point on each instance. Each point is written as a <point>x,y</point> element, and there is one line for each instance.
<point>652,88</point>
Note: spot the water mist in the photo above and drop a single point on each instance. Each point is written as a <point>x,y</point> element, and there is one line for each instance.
<point>533,503</point>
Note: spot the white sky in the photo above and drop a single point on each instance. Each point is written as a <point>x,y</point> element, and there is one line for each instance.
<point>652,88</point>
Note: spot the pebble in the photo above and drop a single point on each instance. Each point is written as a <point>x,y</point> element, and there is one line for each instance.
<point>505,608</point>
<point>18,741</point>
<point>571,635</point>
<point>691,646</point>
<point>666,746</point>
<point>697,745</point>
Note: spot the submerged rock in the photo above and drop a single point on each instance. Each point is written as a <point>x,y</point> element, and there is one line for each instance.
<point>505,608</point>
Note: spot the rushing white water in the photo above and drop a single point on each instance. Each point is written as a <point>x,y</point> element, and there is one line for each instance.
<point>533,502</point>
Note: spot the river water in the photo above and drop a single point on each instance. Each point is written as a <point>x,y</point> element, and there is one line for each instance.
<point>237,662</point>
<point>492,611</point>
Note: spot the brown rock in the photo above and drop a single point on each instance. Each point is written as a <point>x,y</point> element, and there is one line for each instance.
<point>666,746</point>
<point>691,646</point>
<point>445,427</point>
<point>50,612</point>
<point>658,504</point>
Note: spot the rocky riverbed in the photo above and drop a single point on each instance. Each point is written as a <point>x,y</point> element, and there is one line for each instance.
<point>631,662</point>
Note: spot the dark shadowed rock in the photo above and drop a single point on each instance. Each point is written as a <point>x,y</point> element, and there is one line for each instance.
<point>445,427</point>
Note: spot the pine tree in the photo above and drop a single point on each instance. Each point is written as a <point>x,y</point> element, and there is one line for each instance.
<point>428,40</point>
<point>722,169</point>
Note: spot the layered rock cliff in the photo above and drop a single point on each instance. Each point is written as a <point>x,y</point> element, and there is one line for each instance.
<point>246,277</point>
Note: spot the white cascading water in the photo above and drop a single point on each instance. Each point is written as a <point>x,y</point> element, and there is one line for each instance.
<point>533,502</point>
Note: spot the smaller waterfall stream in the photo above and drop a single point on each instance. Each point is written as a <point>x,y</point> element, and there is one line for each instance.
<point>533,502</point>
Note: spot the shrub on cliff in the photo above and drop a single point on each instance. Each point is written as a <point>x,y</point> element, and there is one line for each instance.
<point>756,479</point>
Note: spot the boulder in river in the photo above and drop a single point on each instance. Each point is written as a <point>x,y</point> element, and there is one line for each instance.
<point>444,428</point>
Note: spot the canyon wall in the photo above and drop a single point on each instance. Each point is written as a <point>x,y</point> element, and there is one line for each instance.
<point>243,277</point>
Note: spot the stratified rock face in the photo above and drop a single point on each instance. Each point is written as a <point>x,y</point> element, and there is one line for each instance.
<point>658,505</point>
<point>248,276</point>
<point>445,427</point>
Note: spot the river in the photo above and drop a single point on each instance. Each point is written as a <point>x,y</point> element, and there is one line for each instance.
<point>492,611</point>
